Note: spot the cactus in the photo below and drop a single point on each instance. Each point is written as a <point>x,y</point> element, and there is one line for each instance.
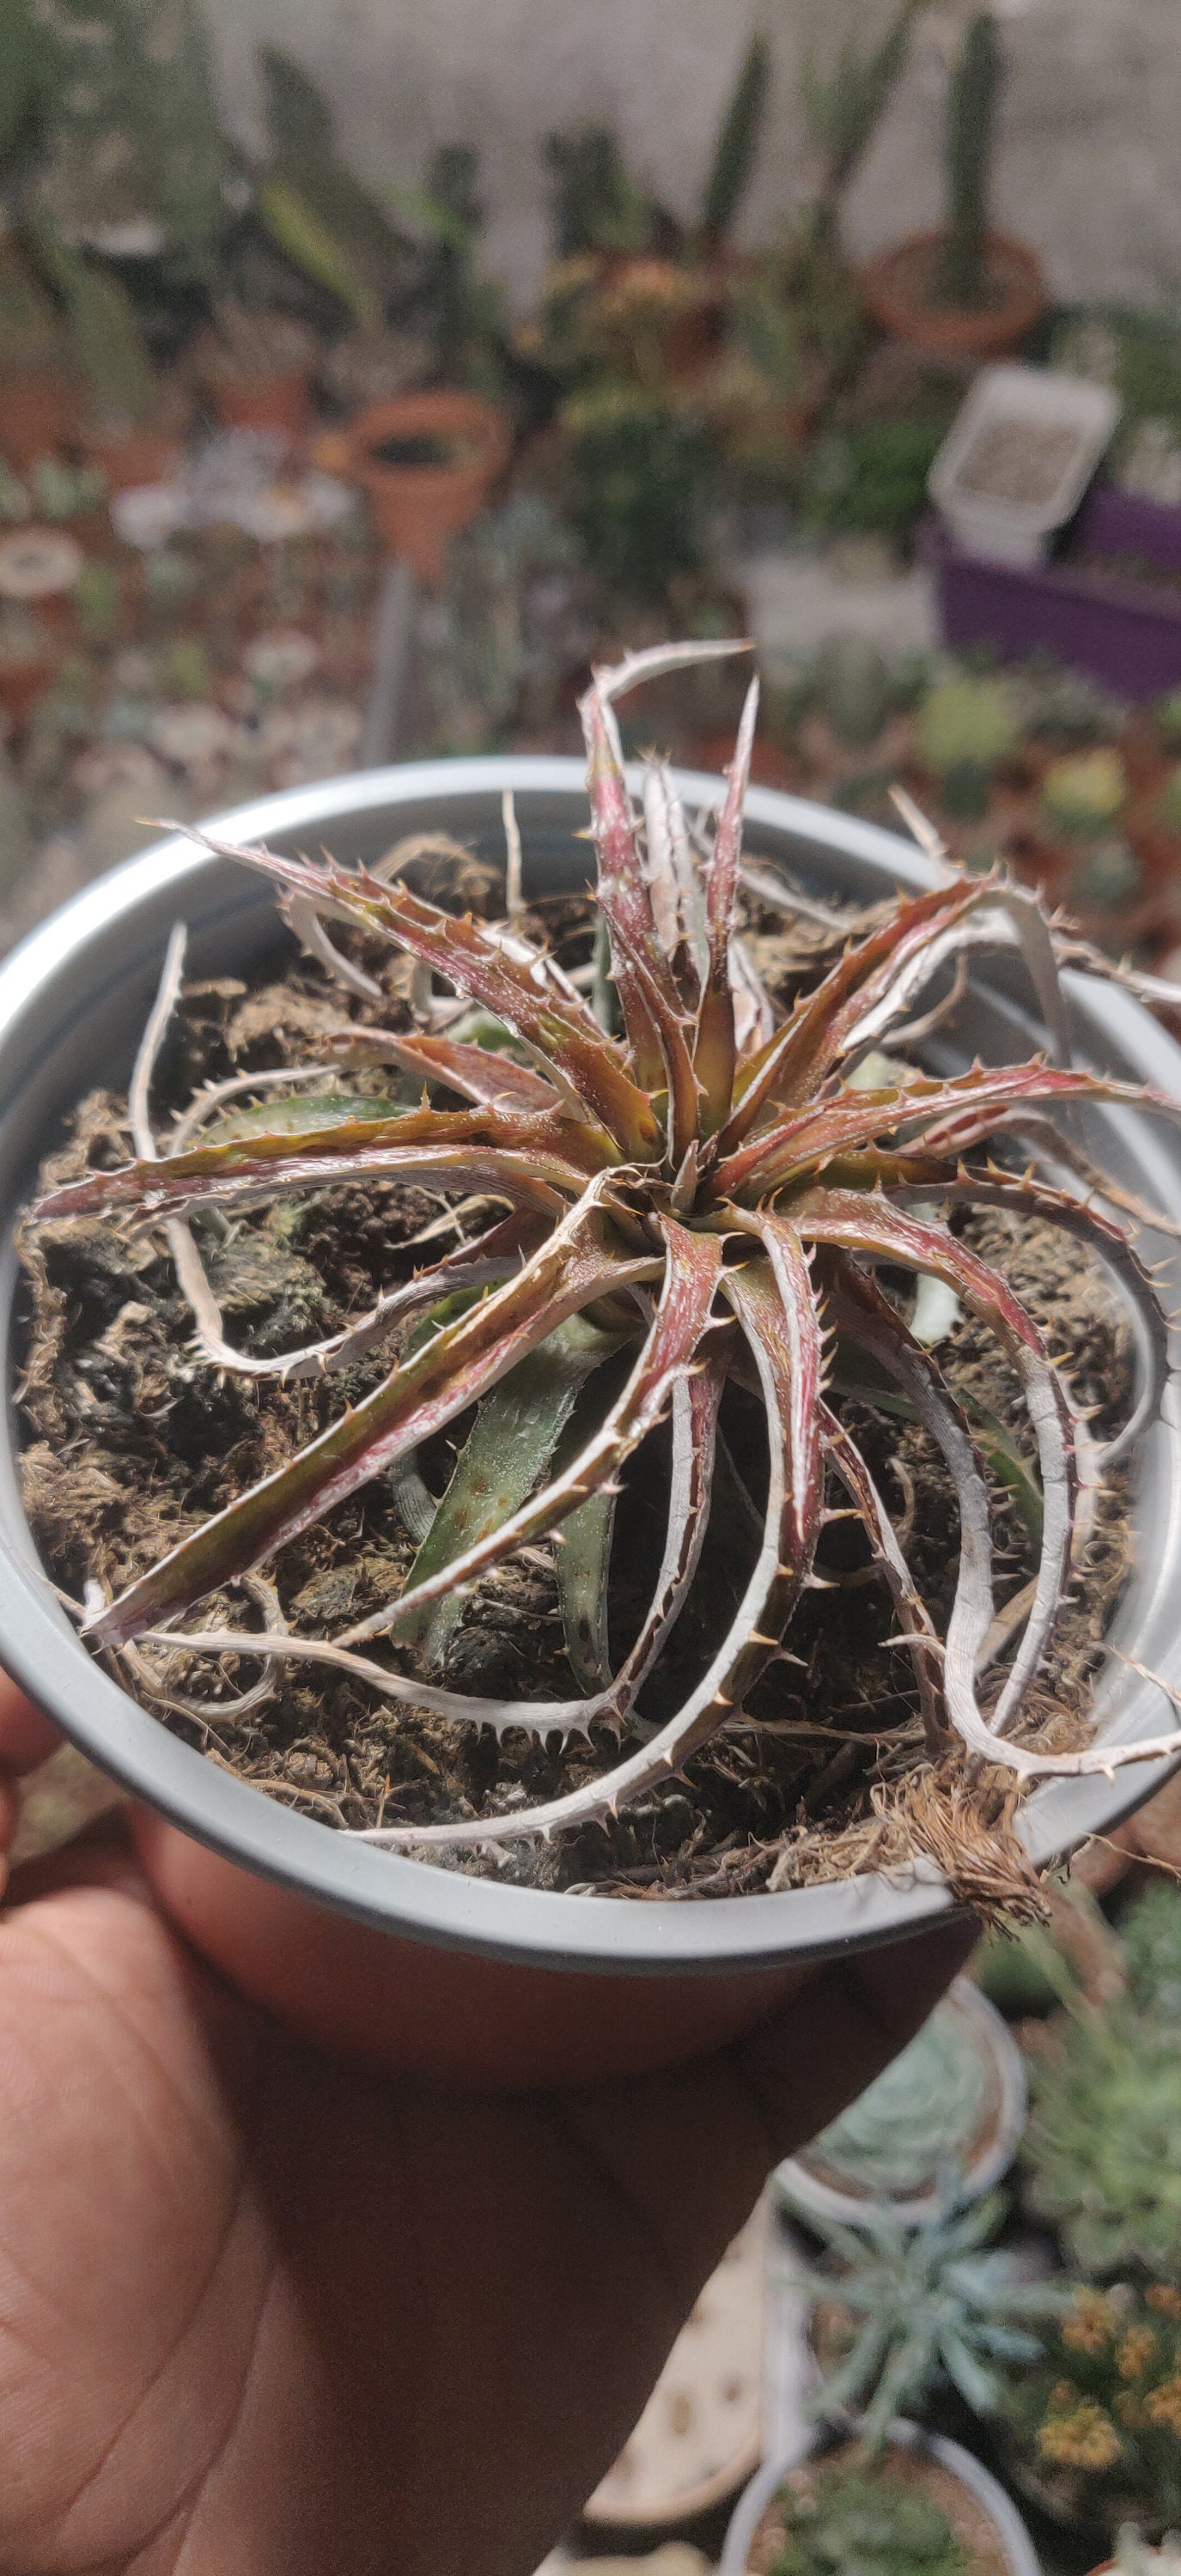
<point>1100,2418</point>
<point>872,479</point>
<point>1101,2146</point>
<point>148,83</point>
<point>970,111</point>
<point>854,690</point>
<point>107,338</point>
<point>596,204</point>
<point>921,2116</point>
<point>1106,876</point>
<point>966,730</point>
<point>925,2306</point>
<point>845,108</point>
<point>864,2520</point>
<point>1151,1935</point>
<point>737,144</point>
<point>1083,792</point>
<point>639,470</point>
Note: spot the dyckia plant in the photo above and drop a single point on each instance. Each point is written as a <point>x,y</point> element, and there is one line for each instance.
<point>701,1196</point>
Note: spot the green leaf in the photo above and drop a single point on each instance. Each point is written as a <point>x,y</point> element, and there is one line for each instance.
<point>301,1117</point>
<point>314,247</point>
<point>515,1435</point>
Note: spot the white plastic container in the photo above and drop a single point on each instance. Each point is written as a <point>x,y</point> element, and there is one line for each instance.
<point>1018,458</point>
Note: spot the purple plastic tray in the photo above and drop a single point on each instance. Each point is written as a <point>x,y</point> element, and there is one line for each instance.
<point>1121,630</point>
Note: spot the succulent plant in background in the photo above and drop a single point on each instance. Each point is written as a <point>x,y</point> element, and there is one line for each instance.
<point>736,148</point>
<point>863,2519</point>
<point>639,466</point>
<point>1101,2146</point>
<point>854,689</point>
<point>970,113</point>
<point>1083,792</point>
<point>910,2308</point>
<point>922,2117</point>
<point>844,108</point>
<point>136,156</point>
<point>596,205</point>
<point>1168,801</point>
<point>1150,1931</point>
<point>702,1165</point>
<point>871,480</point>
<point>966,729</point>
<point>1100,2419</point>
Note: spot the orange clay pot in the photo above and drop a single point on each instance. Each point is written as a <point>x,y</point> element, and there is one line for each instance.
<point>404,2008</point>
<point>21,685</point>
<point>419,508</point>
<point>900,290</point>
<point>39,414</point>
<point>282,403</point>
<point>127,457</point>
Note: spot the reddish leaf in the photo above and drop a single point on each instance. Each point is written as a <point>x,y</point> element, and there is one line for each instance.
<point>529,1160</point>
<point>558,1027</point>
<point>450,1372</point>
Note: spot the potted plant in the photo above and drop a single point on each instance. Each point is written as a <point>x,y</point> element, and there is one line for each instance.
<point>40,390</point>
<point>135,425</point>
<point>110,946</point>
<point>900,2312</point>
<point>1098,2424</point>
<point>954,2100</point>
<point>257,369</point>
<point>428,461</point>
<point>966,292</point>
<point>1099,2149</point>
<point>922,2506</point>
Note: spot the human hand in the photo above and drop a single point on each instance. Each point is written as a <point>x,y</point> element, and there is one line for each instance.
<point>263,2313</point>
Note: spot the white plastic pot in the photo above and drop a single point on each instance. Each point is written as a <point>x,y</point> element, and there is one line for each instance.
<point>1039,402</point>
<point>1014,2541</point>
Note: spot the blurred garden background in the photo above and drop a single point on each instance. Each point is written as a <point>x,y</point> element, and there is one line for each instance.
<point>365,376</point>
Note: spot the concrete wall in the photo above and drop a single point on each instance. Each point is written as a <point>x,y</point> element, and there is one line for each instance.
<point>1090,157</point>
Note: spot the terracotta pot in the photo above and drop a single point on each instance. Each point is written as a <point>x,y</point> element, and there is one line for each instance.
<point>280,403</point>
<point>899,288</point>
<point>21,685</point>
<point>39,414</point>
<point>419,508</point>
<point>128,457</point>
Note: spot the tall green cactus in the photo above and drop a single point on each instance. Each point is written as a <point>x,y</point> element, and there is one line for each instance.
<point>844,108</point>
<point>737,144</point>
<point>970,113</point>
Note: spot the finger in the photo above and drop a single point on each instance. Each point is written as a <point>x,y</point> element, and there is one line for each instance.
<point>26,1737</point>
<point>722,2124</point>
<point>804,2067</point>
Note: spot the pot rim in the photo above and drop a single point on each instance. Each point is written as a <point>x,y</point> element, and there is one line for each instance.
<point>82,954</point>
<point>962,2464</point>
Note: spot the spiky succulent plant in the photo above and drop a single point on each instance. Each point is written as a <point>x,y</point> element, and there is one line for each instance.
<point>924,2305</point>
<point>705,1193</point>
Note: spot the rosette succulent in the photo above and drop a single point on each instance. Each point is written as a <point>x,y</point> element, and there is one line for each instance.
<point>693,1191</point>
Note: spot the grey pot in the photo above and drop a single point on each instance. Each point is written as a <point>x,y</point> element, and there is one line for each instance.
<point>73,1000</point>
<point>1015,2545</point>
